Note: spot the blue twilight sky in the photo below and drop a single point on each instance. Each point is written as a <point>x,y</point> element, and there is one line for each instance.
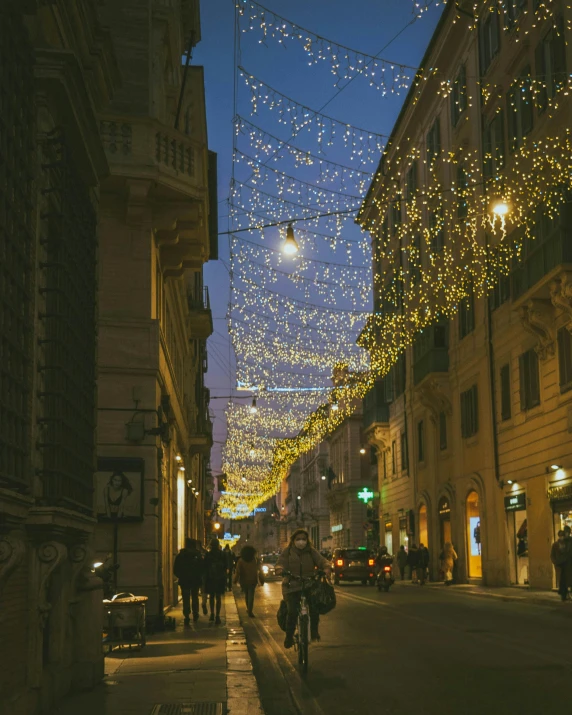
<point>366,25</point>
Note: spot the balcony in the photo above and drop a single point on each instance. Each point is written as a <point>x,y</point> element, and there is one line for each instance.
<point>200,318</point>
<point>376,414</point>
<point>201,438</point>
<point>431,352</point>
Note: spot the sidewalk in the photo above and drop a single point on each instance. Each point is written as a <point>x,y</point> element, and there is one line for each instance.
<point>200,669</point>
<point>523,594</point>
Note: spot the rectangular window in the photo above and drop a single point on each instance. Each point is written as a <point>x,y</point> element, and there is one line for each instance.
<point>506,410</point>
<point>416,259</point>
<point>393,457</point>
<point>467,316</point>
<point>411,181</point>
<point>396,213</point>
<point>434,141</point>
<point>404,452</point>
<point>493,147</point>
<point>461,189</point>
<point>399,376</point>
<point>469,412</point>
<point>529,380</point>
<point>513,9</point>
<point>501,292</point>
<point>442,431</point>
<point>550,64</point>
<point>519,110</point>
<point>489,40</point>
<point>459,95</point>
<point>437,230</point>
<point>420,442</point>
<point>384,458</point>
<point>565,359</point>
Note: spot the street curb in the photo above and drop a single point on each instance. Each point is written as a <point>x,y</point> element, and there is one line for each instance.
<point>243,697</point>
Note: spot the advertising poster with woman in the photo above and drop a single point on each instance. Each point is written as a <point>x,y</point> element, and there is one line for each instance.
<point>119,489</point>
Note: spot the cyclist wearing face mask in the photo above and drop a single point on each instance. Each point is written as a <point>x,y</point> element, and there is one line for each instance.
<point>301,559</point>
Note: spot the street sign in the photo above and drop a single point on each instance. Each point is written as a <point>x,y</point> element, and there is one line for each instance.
<point>365,495</point>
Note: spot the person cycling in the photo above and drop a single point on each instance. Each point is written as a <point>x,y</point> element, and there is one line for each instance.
<point>301,559</point>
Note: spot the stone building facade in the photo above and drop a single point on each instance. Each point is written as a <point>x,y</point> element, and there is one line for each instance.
<point>157,229</point>
<point>481,402</point>
<point>58,69</point>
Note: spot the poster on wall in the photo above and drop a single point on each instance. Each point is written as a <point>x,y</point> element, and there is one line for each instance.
<point>475,527</point>
<point>119,489</point>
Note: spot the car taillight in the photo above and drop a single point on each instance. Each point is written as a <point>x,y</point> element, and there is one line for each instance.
<point>370,562</point>
<point>339,562</point>
<point>387,568</point>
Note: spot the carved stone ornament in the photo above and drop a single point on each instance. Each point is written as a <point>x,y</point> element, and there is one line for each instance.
<point>537,318</point>
<point>434,399</point>
<point>561,296</point>
<point>12,551</point>
<point>379,438</point>
<point>50,555</point>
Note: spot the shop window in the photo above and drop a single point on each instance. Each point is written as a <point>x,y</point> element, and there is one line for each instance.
<point>389,536</point>
<point>469,412</point>
<point>529,380</point>
<point>404,452</point>
<point>459,95</point>
<point>423,527</point>
<point>467,316</point>
<point>565,359</point>
<point>550,64</point>
<point>474,536</point>
<point>420,442</point>
<point>393,457</point>
<point>506,411</point>
<point>442,431</point>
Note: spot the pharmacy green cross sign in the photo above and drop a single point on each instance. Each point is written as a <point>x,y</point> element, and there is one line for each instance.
<point>365,495</point>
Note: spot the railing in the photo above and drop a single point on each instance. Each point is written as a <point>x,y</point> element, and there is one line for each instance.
<point>199,300</point>
<point>375,405</point>
<point>541,259</point>
<point>436,360</point>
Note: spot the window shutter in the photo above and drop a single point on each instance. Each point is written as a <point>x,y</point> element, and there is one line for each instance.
<point>559,53</point>
<point>540,68</point>
<point>437,136</point>
<point>522,379</point>
<point>526,111</point>
<point>499,141</point>
<point>505,392</point>
<point>462,80</point>
<point>534,379</point>
<point>495,33</point>
<point>475,406</point>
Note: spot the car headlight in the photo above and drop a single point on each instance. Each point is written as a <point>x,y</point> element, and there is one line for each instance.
<point>265,569</point>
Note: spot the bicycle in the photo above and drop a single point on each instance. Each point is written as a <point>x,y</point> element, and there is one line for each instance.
<point>301,635</point>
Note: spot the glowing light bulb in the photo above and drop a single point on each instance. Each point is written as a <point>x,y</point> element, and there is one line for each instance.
<point>501,207</point>
<point>290,245</point>
<point>253,407</point>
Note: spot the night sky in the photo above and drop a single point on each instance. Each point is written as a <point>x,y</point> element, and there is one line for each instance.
<point>366,25</point>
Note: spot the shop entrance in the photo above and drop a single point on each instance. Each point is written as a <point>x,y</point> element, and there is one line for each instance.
<point>389,536</point>
<point>517,523</point>
<point>444,521</point>
<point>423,527</point>
<point>474,532</point>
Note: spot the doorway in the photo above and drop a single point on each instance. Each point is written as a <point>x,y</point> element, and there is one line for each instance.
<point>445,533</point>
<point>423,526</point>
<point>518,545</point>
<point>474,536</point>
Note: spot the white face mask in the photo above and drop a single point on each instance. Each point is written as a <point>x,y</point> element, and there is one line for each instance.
<point>301,543</point>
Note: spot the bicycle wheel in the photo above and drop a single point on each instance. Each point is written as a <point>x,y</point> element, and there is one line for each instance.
<point>303,626</point>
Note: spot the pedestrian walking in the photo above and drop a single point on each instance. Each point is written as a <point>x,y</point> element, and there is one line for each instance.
<point>215,571</point>
<point>402,561</point>
<point>448,560</point>
<point>301,559</point>
<point>247,576</point>
<point>561,557</point>
<point>189,569</point>
<point>229,556</point>
<point>413,561</point>
<point>423,563</point>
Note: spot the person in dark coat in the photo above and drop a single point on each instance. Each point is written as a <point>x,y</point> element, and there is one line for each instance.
<point>189,569</point>
<point>229,556</point>
<point>422,563</point>
<point>413,561</point>
<point>561,557</point>
<point>301,559</point>
<point>247,575</point>
<point>402,561</point>
<point>215,578</point>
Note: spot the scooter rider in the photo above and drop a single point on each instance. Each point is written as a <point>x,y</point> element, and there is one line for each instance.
<point>384,558</point>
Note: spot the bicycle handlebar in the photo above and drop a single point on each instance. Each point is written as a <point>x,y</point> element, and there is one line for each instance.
<point>317,574</point>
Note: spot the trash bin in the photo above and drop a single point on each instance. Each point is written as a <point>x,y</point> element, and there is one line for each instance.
<point>124,620</point>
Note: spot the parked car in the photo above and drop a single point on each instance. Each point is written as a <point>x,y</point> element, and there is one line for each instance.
<point>268,565</point>
<point>354,564</point>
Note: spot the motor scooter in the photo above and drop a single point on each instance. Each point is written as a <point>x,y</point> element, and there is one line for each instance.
<point>385,578</point>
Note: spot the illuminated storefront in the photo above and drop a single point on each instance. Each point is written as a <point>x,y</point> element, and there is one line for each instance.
<point>474,531</point>
<point>389,536</point>
<point>423,526</point>
<point>517,525</point>
<point>444,521</point>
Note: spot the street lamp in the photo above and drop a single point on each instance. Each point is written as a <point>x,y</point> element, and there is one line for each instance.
<point>290,246</point>
<point>501,207</point>
<point>335,406</point>
<point>362,450</point>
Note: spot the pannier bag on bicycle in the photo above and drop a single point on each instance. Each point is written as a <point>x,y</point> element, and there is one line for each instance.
<point>324,597</point>
<point>282,614</point>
